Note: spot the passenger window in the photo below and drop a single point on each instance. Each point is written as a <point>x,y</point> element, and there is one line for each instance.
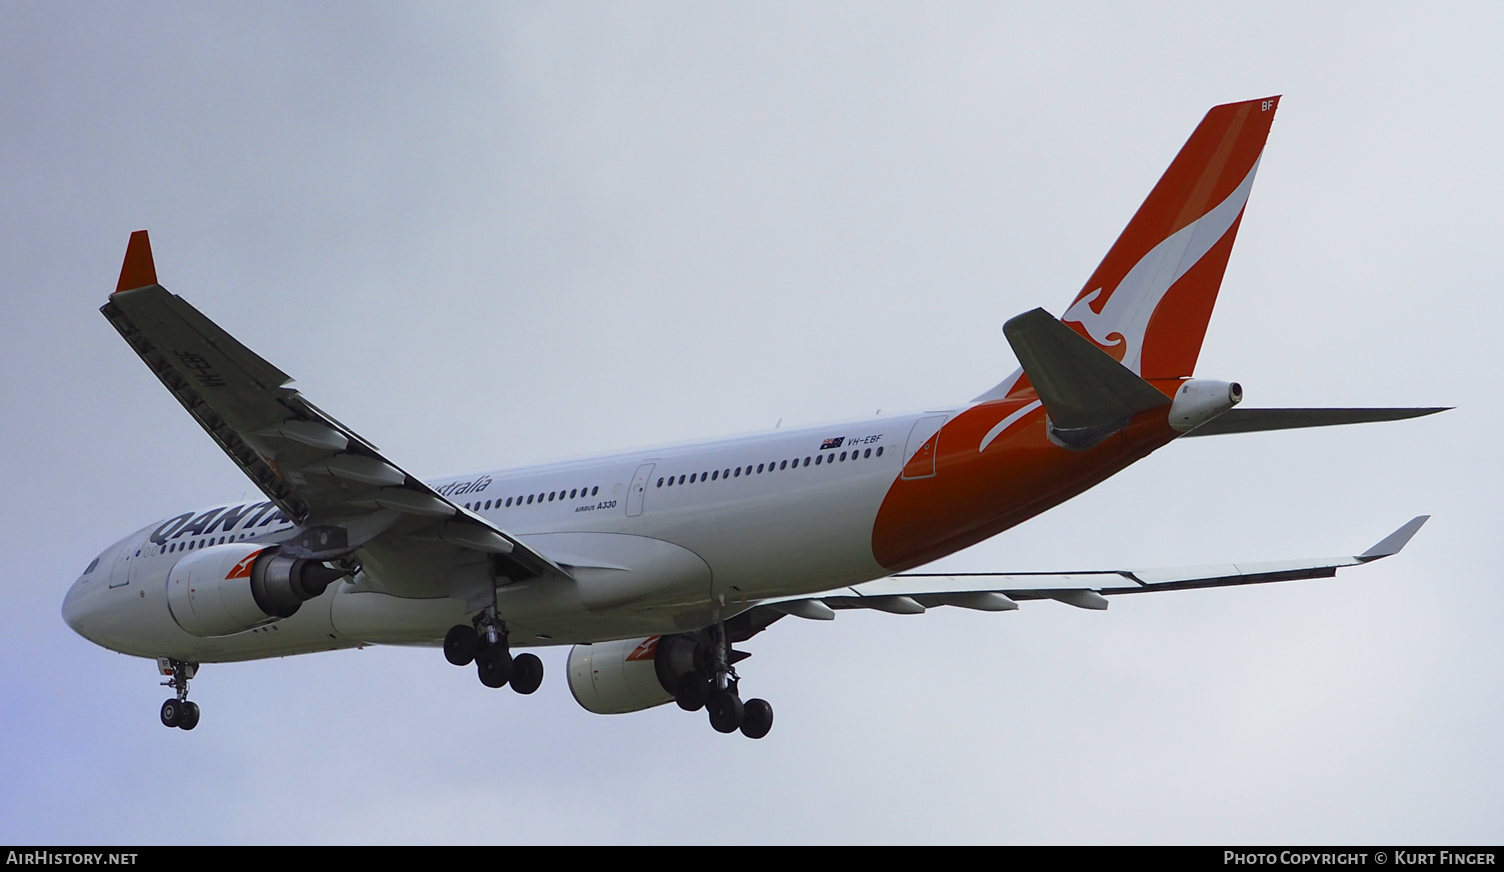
<point>681,479</point>
<point>738,472</point>
<point>529,499</point>
<point>819,458</point>
<point>867,453</point>
<point>843,457</point>
<point>595,490</point>
<point>879,451</point>
<point>759,469</point>
<point>660,482</point>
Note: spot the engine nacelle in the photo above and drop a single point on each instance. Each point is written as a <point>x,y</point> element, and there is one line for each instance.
<point>239,586</point>
<point>1201,399</point>
<point>612,678</point>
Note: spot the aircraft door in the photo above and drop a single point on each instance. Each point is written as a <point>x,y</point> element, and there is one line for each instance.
<point>639,490</point>
<point>120,572</point>
<point>923,447</point>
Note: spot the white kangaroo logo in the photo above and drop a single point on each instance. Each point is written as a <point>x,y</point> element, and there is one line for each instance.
<point>1120,326</point>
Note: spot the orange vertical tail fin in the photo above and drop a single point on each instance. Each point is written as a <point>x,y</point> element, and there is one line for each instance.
<point>1149,301</point>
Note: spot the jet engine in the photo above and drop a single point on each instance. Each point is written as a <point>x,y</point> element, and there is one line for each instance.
<point>611,678</point>
<point>231,588</point>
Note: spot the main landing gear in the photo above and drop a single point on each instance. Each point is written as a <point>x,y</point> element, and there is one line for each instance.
<point>484,643</point>
<point>713,686</point>
<point>178,711</point>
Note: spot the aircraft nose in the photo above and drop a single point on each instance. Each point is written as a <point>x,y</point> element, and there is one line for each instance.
<point>77,613</point>
<point>71,611</point>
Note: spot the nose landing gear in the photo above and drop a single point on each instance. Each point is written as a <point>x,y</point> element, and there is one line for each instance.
<point>178,711</point>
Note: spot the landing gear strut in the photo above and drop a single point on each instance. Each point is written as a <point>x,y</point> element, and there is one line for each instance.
<point>178,711</point>
<point>485,644</point>
<point>716,689</point>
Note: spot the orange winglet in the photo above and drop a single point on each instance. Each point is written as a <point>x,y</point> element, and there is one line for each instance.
<point>139,270</point>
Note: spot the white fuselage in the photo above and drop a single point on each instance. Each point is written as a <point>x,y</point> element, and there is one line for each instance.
<point>659,540</point>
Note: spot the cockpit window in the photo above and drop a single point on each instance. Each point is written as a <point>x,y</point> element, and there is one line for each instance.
<point>93,564</point>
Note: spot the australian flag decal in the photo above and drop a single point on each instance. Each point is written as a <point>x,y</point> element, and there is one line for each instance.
<point>832,443</point>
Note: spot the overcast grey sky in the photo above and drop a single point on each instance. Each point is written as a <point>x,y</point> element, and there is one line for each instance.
<point>486,235</point>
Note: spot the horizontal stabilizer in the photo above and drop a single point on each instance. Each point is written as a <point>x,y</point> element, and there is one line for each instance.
<point>1255,420</point>
<point>1087,394</point>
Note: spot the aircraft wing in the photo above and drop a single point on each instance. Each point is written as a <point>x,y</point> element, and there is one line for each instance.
<point>337,487</point>
<point>913,592</point>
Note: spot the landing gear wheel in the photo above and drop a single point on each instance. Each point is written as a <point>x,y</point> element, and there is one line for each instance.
<point>494,666</point>
<point>189,718</point>
<point>725,710</point>
<point>527,673</point>
<point>172,712</point>
<point>691,691</point>
<point>461,644</point>
<point>757,718</point>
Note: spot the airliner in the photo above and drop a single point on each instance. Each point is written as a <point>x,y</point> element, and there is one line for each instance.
<point>654,564</point>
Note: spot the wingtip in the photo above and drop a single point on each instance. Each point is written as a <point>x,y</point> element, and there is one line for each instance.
<point>139,270</point>
<point>1395,541</point>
